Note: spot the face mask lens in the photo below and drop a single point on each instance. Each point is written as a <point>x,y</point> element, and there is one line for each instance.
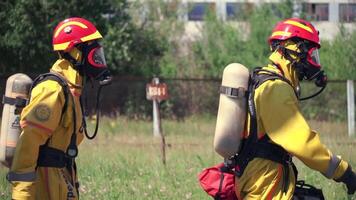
<point>314,56</point>
<point>96,57</point>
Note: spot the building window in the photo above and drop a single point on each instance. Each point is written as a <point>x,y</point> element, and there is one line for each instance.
<point>197,11</point>
<point>234,11</point>
<point>317,11</point>
<point>347,12</point>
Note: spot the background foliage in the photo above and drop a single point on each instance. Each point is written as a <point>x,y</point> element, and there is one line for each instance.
<point>27,25</point>
<point>146,39</point>
<point>143,39</point>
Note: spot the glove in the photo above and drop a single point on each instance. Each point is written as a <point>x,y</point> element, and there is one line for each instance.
<point>349,179</point>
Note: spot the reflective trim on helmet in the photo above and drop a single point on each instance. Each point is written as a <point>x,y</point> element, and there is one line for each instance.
<point>67,24</point>
<point>62,46</point>
<point>281,33</point>
<point>300,25</point>
<point>93,36</point>
<point>25,177</point>
<point>96,57</point>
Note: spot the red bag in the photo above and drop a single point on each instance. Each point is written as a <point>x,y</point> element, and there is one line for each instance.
<point>218,182</point>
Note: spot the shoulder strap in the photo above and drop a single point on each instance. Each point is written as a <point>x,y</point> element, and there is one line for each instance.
<point>247,151</point>
<point>72,150</point>
<point>256,80</point>
<point>57,78</point>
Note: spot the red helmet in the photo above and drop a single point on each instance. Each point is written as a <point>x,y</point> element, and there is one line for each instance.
<point>73,31</point>
<point>295,28</point>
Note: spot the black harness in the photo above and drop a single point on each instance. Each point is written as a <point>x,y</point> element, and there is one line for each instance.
<point>52,157</point>
<point>252,147</point>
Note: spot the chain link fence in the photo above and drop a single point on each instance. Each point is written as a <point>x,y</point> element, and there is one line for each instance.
<point>127,96</point>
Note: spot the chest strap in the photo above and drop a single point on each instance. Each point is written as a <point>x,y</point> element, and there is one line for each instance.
<point>272,152</point>
<point>261,149</point>
<point>51,157</point>
<point>252,146</point>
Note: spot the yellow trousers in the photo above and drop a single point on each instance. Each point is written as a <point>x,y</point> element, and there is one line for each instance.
<point>51,184</point>
<point>264,179</point>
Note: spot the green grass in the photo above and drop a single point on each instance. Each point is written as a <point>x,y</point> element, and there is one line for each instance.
<point>124,161</point>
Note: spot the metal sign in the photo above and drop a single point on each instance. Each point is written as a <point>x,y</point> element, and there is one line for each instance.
<point>156,91</point>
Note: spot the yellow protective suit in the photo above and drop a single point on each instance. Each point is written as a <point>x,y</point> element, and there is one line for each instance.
<point>41,121</point>
<point>279,116</point>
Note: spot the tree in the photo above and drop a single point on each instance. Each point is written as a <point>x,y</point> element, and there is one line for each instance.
<point>27,26</point>
<point>223,43</point>
<point>338,56</point>
<point>24,41</point>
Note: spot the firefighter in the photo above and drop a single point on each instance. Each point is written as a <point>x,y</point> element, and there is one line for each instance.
<point>43,166</point>
<point>280,124</point>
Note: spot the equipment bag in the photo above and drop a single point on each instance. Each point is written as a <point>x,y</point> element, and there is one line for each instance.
<point>305,191</point>
<point>219,182</point>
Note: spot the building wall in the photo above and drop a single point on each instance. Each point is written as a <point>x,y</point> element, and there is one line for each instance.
<point>324,14</point>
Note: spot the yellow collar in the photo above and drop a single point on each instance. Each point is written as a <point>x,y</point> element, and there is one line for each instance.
<point>284,67</point>
<point>66,69</point>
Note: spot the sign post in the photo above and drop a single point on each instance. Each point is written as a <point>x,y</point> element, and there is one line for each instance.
<point>351,107</point>
<point>157,92</point>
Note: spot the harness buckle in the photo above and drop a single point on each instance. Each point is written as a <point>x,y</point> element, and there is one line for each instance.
<point>233,92</point>
<point>288,159</point>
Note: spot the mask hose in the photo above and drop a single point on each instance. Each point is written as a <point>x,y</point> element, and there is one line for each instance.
<point>313,95</point>
<point>104,79</point>
<point>97,110</point>
<point>320,81</point>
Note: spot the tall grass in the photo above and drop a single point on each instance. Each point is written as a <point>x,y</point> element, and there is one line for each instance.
<point>124,161</point>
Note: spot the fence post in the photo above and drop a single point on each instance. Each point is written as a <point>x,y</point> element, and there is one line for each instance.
<point>351,107</point>
<point>157,128</point>
<point>157,92</point>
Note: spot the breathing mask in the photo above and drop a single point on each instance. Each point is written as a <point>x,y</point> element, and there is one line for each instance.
<point>307,65</point>
<point>92,66</point>
<point>94,63</point>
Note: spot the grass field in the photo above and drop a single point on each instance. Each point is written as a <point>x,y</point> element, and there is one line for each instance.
<point>124,161</point>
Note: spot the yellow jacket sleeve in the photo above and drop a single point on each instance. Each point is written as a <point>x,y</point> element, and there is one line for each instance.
<point>38,120</point>
<point>278,110</point>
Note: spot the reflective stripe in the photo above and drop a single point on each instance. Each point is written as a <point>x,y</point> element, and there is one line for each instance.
<point>26,177</point>
<point>281,33</point>
<point>23,124</point>
<point>68,24</point>
<point>333,164</point>
<point>300,25</point>
<point>93,36</point>
<point>47,182</point>
<point>276,183</point>
<point>60,46</point>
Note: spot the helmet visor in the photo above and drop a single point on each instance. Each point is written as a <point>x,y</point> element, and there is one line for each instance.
<point>313,57</point>
<point>96,57</point>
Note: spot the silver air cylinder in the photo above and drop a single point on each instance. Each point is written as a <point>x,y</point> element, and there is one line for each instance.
<point>232,110</point>
<point>16,93</point>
